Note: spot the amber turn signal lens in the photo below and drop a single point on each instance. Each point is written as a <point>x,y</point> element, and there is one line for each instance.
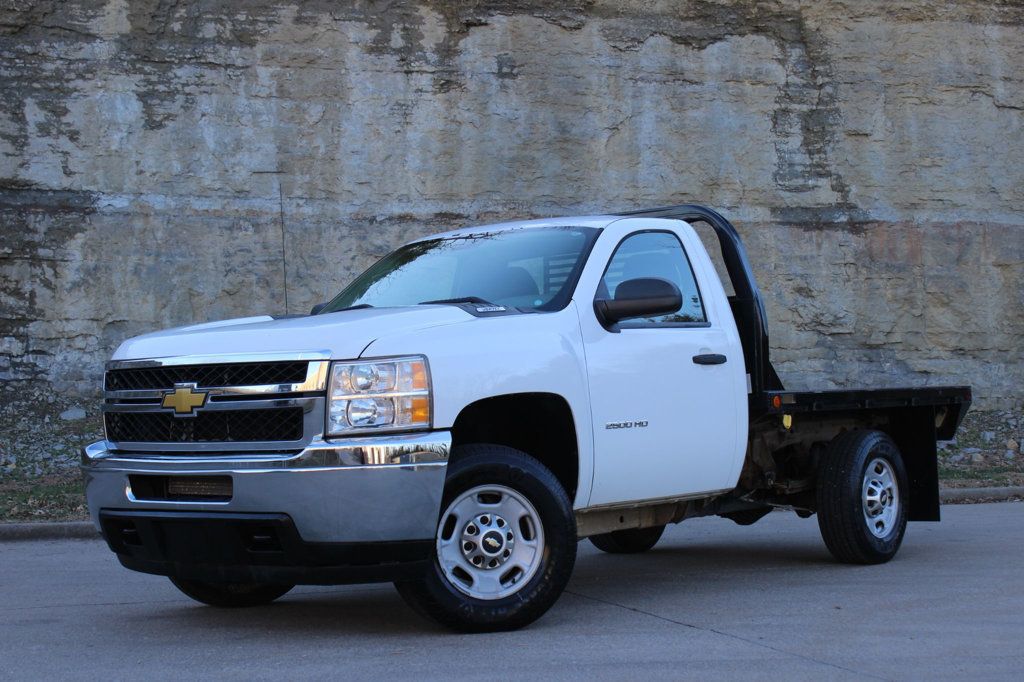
<point>420,410</point>
<point>419,376</point>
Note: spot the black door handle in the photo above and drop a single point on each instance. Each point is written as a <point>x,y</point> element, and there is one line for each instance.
<point>709,359</point>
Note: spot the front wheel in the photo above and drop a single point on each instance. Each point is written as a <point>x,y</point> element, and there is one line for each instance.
<point>505,545</point>
<point>231,595</point>
<point>862,498</point>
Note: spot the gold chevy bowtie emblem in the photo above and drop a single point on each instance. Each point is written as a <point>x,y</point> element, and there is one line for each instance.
<point>184,399</point>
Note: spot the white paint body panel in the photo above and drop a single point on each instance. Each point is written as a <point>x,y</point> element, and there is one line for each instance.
<point>697,415</point>
<point>343,334</point>
<point>496,356</point>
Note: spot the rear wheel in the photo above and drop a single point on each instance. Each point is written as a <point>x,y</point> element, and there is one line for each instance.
<point>631,541</point>
<point>231,595</point>
<point>862,498</point>
<point>505,546</point>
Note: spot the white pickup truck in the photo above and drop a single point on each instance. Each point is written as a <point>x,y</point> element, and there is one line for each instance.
<point>477,401</point>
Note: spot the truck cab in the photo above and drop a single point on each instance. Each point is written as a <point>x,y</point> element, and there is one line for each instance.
<point>477,401</point>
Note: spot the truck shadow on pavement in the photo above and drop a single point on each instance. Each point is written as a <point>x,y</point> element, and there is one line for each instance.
<point>335,610</point>
<point>369,609</point>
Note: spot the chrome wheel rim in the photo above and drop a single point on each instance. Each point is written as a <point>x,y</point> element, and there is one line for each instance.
<point>490,542</point>
<point>880,497</point>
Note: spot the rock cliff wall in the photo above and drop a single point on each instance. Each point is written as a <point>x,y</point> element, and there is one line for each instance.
<point>167,162</point>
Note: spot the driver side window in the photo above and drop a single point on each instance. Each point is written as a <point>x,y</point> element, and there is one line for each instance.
<point>658,255</point>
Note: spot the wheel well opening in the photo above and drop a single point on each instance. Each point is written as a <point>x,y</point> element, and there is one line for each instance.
<point>539,424</point>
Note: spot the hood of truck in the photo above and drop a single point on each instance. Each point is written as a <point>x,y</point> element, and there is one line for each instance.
<point>344,334</point>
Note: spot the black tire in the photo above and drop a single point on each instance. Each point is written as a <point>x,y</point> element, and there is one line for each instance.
<point>231,595</point>
<point>631,541</point>
<point>437,598</point>
<point>841,516</point>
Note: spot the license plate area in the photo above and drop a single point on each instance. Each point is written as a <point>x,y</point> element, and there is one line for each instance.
<point>160,488</point>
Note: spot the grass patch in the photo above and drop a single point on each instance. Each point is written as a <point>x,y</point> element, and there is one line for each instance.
<point>947,473</point>
<point>53,497</point>
<point>980,476</point>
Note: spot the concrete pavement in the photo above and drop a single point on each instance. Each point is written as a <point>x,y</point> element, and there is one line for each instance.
<point>712,599</point>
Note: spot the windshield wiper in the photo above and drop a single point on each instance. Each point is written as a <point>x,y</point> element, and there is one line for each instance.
<point>353,307</point>
<point>464,299</point>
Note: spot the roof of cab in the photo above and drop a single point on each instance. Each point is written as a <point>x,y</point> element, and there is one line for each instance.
<point>596,221</point>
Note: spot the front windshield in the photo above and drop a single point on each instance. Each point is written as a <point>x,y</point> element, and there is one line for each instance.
<point>530,269</point>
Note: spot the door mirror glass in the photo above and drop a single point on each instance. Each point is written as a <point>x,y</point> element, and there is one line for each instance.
<point>653,255</point>
<point>640,297</point>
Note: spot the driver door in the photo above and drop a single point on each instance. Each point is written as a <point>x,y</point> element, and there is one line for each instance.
<point>664,426</point>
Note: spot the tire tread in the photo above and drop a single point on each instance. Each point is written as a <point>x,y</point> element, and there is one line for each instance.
<point>839,479</point>
<point>418,595</point>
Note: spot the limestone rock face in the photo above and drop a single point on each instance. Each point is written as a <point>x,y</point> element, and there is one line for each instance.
<point>169,162</point>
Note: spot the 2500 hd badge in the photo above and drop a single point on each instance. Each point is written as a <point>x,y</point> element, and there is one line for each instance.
<point>626,425</point>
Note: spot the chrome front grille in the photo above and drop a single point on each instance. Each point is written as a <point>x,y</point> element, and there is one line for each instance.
<point>252,404</point>
<point>206,376</point>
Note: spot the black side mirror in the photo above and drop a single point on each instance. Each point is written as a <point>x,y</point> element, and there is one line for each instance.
<point>641,297</point>
<point>317,308</point>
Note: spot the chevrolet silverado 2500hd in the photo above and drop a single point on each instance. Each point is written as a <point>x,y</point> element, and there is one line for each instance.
<point>475,402</point>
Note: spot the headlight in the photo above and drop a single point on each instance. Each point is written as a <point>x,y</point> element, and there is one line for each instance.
<point>390,394</point>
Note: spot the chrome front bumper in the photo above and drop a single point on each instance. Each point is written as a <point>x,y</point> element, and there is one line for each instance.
<point>378,489</point>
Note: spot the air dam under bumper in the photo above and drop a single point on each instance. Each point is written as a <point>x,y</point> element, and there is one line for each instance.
<point>314,517</point>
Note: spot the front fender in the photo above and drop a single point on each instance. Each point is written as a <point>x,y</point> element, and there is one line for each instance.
<point>493,356</point>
